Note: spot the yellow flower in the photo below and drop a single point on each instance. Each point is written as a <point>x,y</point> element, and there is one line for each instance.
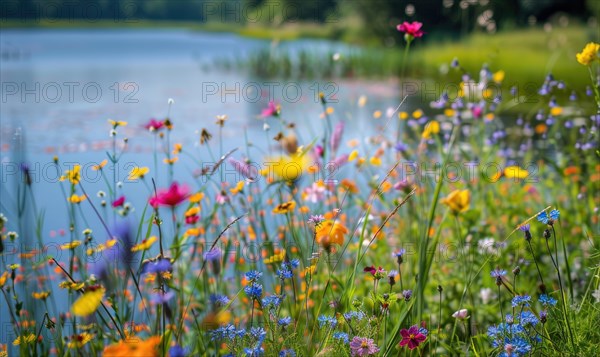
<point>80,340</point>
<point>589,54</point>
<point>102,246</point>
<point>353,155</point>
<point>170,161</point>
<point>515,172</point>
<point>433,127</point>
<point>275,258</point>
<point>74,175</point>
<point>177,148</point>
<point>375,161</point>
<point>417,114</point>
<point>192,211</point>
<point>75,199</point>
<point>193,232</point>
<point>144,245</point>
<point>329,110</point>
<point>377,114</point>
<point>71,285</point>
<point>449,112</point>
<point>72,245</point>
<point>556,111</point>
<point>498,77</point>
<point>329,232</point>
<point>287,168</point>
<point>137,173</point>
<point>43,295</point>
<point>23,340</point>
<point>362,101</point>
<point>238,187</point>
<point>133,348</point>
<point>3,278</point>
<point>285,207</point>
<point>196,197</point>
<point>458,201</point>
<point>403,115</point>
<point>100,166</point>
<point>89,302</point>
<point>116,123</point>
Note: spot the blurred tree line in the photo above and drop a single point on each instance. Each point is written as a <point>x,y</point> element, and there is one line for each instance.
<point>373,18</point>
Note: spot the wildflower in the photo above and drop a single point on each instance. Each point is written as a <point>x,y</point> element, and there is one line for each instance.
<point>139,348</point>
<point>461,314</point>
<point>43,295</point>
<point>272,301</point>
<point>287,353</point>
<point>145,244</point>
<point>458,201</point>
<point>316,192</point>
<point>100,166</point>
<point>171,197</point>
<point>76,199</point>
<point>177,351</point>
<point>543,316</point>
<point>329,233</point>
<point>3,279</point>
<point>118,202</point>
<point>205,136</point>
<point>528,318</point>
<point>392,277</point>
<point>328,321</point>
<point>283,322</point>
<point>287,168</point>
<point>515,172</point>
<point>412,337</point>
<point>521,300</point>
<point>316,220</point>
<point>411,30</point>
<point>407,294</point>
<point>214,257</point>
<point>221,120</point>
<point>358,315</point>
<point>71,245</point>
<point>89,302</point>
<point>80,340</point>
<point>154,125</point>
<point>362,346</point>
<point>498,274</point>
<point>24,339</point>
<point>342,336</point>
<point>589,54</point>
<point>218,300</point>
<point>73,175</point>
<point>272,109</point>
<point>285,207</point>
<point>157,265</point>
<point>433,127</point>
<point>254,291</point>
<point>253,275</point>
<point>399,255</point>
<point>525,229</point>
<point>137,173</point>
<point>117,123</point>
<point>548,218</point>
<point>546,300</point>
<point>161,298</point>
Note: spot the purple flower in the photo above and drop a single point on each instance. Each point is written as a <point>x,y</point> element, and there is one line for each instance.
<point>159,265</point>
<point>412,337</point>
<point>336,136</point>
<point>246,170</point>
<point>161,298</point>
<point>316,219</point>
<point>362,346</point>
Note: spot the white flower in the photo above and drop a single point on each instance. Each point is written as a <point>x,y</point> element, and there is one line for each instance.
<point>596,295</point>
<point>170,101</point>
<point>486,294</point>
<point>461,314</point>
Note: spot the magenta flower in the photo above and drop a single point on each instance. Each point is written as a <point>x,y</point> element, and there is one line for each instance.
<point>412,337</point>
<point>411,29</point>
<point>362,346</point>
<point>171,197</point>
<point>272,110</point>
<point>118,202</point>
<point>154,125</point>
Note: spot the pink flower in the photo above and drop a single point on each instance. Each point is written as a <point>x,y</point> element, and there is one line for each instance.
<point>119,202</point>
<point>154,125</point>
<point>362,346</point>
<point>412,337</point>
<point>477,111</point>
<point>171,197</point>
<point>271,110</point>
<point>411,29</point>
<point>461,314</point>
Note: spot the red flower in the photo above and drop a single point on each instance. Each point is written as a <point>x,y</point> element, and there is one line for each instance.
<point>154,125</point>
<point>372,270</point>
<point>118,202</point>
<point>411,29</point>
<point>192,219</point>
<point>171,197</point>
<point>412,337</point>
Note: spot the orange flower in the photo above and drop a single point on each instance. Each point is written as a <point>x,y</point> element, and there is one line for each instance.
<point>285,207</point>
<point>133,347</point>
<point>329,232</point>
<point>100,165</point>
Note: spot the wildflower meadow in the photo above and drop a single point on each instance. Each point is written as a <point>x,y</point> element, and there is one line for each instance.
<point>448,232</point>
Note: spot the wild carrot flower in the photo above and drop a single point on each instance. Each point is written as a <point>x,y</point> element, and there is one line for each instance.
<point>412,337</point>
<point>362,346</point>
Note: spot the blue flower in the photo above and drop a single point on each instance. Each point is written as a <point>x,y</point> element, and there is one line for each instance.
<point>498,273</point>
<point>272,301</point>
<point>253,275</point>
<point>259,334</point>
<point>546,300</point>
<point>254,352</point>
<point>254,291</point>
<point>160,265</point>
<point>289,352</point>
<point>548,218</point>
<point>284,321</point>
<point>177,351</point>
<point>225,332</point>
<point>514,347</point>
<point>218,300</point>
<point>284,272</point>
<point>521,300</point>
<point>329,321</point>
<point>358,315</point>
<point>342,336</point>
<point>528,318</point>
